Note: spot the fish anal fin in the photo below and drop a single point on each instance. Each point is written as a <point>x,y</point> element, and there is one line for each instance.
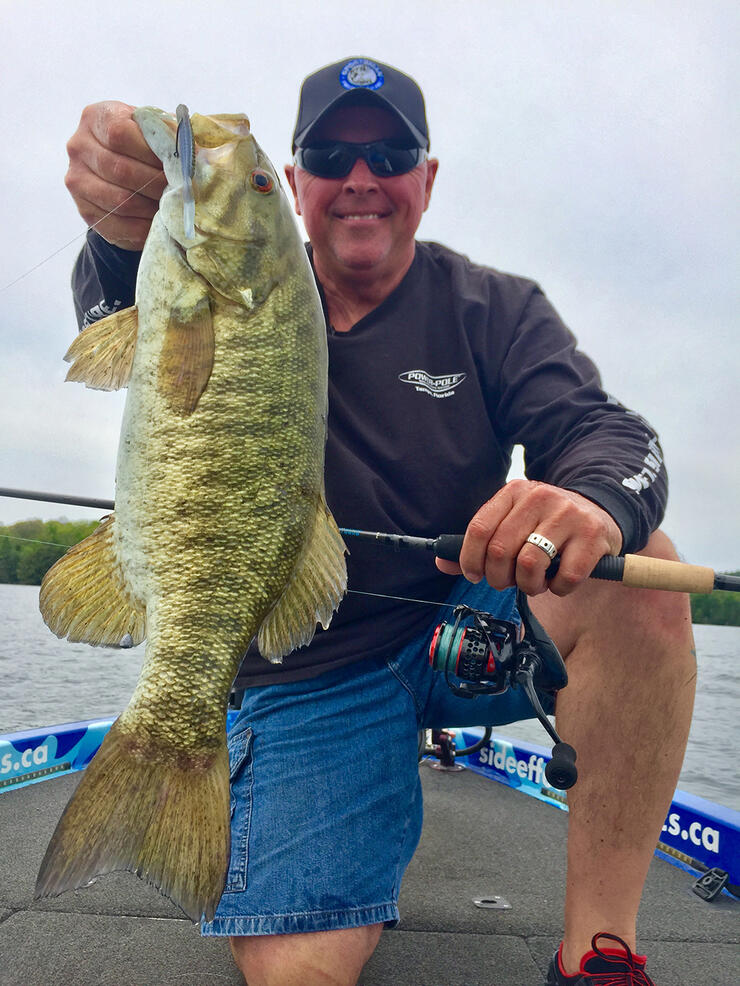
<point>102,354</point>
<point>186,360</point>
<point>160,813</point>
<point>315,590</point>
<point>84,596</point>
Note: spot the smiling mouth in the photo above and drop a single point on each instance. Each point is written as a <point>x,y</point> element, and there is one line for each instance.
<point>363,215</point>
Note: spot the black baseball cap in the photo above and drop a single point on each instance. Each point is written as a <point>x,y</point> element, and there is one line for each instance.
<point>360,80</point>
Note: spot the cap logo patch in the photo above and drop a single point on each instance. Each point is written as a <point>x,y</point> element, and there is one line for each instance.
<point>361,74</point>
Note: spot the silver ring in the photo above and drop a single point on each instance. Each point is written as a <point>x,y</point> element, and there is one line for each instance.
<point>542,542</point>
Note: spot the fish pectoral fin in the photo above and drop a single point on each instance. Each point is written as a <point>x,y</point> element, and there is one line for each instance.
<point>84,596</point>
<point>102,354</point>
<point>186,361</point>
<point>315,590</point>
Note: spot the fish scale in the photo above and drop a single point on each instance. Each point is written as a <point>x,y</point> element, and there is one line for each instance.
<point>221,531</point>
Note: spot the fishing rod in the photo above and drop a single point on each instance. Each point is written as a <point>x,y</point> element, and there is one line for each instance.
<point>636,571</point>
<point>485,655</point>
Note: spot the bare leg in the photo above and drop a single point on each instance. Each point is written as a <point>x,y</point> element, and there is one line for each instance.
<point>320,958</point>
<point>627,711</point>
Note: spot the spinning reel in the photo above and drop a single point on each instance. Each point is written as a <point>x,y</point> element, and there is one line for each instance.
<point>487,656</point>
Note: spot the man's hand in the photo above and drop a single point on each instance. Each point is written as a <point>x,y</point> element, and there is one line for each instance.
<point>108,160</point>
<point>495,545</point>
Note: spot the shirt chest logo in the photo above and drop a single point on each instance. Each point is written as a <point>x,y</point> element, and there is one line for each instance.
<point>425,383</point>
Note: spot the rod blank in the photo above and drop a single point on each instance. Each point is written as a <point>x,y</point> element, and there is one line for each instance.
<point>75,501</point>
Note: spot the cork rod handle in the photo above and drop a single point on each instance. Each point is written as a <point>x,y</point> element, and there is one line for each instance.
<point>657,573</point>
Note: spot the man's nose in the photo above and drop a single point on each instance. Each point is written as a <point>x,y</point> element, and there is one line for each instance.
<point>360,179</point>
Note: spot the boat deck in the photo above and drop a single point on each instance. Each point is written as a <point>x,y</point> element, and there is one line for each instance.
<point>480,839</point>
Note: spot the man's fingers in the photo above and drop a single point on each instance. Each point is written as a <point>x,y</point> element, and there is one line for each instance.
<point>87,158</point>
<point>532,563</point>
<point>579,540</point>
<point>114,178</point>
<point>500,529</point>
<point>128,233</point>
<point>496,545</point>
<point>87,188</point>
<point>448,567</point>
<point>125,172</point>
<point>578,558</point>
<point>478,547</point>
<point>113,126</point>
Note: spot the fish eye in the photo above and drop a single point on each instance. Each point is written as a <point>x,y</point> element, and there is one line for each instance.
<point>261,181</point>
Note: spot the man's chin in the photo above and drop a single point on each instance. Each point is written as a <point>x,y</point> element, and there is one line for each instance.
<point>362,256</point>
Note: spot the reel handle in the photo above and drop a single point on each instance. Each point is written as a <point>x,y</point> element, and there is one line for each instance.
<point>561,772</point>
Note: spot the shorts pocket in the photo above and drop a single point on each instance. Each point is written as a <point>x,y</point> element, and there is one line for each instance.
<point>241,780</point>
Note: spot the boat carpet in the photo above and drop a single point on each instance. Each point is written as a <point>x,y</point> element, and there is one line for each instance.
<point>480,839</point>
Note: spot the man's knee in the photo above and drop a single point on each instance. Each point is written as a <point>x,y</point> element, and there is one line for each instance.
<point>663,613</point>
<point>319,958</point>
<point>608,614</point>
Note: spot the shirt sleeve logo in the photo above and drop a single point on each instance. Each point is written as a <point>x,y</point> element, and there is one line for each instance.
<point>425,383</point>
<point>650,471</point>
<point>361,74</point>
<point>101,310</point>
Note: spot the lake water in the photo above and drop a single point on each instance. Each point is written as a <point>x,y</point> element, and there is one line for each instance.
<point>45,681</point>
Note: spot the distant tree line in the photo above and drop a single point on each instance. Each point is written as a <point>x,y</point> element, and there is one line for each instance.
<point>720,608</point>
<point>30,547</point>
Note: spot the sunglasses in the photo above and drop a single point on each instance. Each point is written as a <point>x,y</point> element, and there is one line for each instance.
<point>335,159</point>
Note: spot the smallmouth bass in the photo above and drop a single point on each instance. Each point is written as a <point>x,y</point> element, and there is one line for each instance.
<point>221,531</point>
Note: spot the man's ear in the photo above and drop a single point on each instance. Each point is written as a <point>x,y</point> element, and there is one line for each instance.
<point>290,175</point>
<point>432,165</point>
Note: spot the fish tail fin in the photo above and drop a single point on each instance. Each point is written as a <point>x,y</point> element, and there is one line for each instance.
<point>142,809</point>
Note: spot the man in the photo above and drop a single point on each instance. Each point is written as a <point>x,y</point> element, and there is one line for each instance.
<point>437,367</point>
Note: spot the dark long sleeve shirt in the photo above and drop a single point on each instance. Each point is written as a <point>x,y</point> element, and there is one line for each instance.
<point>428,394</point>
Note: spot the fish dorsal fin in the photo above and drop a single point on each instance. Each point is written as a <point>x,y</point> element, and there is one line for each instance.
<point>84,597</point>
<point>187,353</point>
<point>315,590</point>
<point>102,354</point>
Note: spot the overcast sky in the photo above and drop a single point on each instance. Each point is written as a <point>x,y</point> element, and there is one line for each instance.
<point>590,145</point>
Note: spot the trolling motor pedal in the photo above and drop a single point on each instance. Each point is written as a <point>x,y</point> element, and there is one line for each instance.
<point>711,883</point>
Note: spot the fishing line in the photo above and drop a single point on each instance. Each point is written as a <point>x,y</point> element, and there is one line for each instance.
<point>403,599</point>
<point>79,236</point>
<point>356,592</point>
<point>55,544</point>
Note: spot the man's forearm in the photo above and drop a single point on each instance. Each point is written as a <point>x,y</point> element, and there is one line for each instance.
<point>618,464</point>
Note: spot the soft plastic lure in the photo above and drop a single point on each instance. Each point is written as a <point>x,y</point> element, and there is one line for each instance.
<point>185,150</point>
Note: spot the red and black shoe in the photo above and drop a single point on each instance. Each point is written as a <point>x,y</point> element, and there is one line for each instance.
<point>602,967</point>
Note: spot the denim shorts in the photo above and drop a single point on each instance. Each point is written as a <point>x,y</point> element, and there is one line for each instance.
<point>326,803</point>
